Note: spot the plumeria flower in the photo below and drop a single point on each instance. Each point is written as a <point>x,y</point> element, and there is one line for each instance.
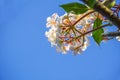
<point>52,21</point>
<point>51,34</point>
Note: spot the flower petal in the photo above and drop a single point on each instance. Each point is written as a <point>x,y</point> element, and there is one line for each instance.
<point>118,38</point>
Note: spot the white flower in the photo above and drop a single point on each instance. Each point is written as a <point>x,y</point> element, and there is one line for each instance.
<point>84,47</point>
<point>118,38</point>
<point>52,21</point>
<point>61,48</point>
<point>51,34</point>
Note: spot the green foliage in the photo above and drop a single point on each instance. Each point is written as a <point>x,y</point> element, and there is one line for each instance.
<point>77,8</point>
<point>90,3</point>
<point>97,35</point>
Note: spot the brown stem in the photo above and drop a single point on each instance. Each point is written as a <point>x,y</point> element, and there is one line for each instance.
<point>105,25</point>
<point>82,17</point>
<point>97,28</point>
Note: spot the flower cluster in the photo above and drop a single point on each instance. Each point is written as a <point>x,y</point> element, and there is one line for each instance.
<point>67,31</point>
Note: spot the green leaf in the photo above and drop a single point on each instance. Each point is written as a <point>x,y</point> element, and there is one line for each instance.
<point>77,8</point>
<point>97,35</point>
<point>90,3</point>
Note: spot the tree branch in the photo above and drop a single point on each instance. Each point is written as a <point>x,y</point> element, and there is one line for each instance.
<point>111,34</point>
<point>105,25</point>
<point>103,10</point>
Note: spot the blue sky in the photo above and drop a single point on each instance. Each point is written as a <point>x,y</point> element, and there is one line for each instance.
<point>26,54</point>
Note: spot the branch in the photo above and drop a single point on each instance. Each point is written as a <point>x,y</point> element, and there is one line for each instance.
<point>83,17</point>
<point>103,10</point>
<point>105,25</point>
<point>111,34</point>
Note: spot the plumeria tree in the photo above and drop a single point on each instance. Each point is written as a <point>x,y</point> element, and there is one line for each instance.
<point>88,18</point>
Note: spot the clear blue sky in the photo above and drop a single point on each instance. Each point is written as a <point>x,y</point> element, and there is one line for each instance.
<point>25,53</point>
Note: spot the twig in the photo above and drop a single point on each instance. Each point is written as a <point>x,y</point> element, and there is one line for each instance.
<point>105,25</point>
<point>82,17</point>
<point>111,34</point>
